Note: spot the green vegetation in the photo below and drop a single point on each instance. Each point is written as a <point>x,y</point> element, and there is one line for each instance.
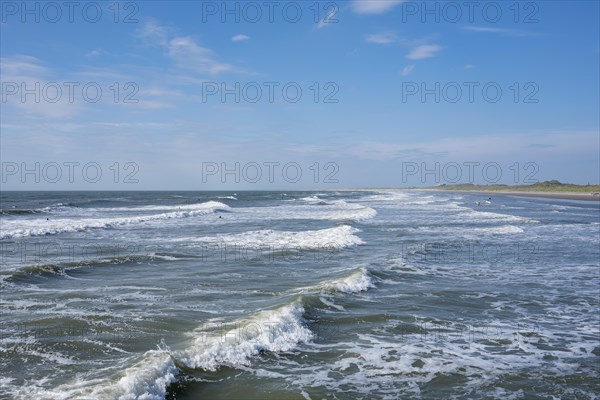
<point>546,186</point>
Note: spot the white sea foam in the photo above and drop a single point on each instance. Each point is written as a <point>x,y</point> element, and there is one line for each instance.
<point>337,210</point>
<point>472,232</point>
<point>336,237</point>
<point>277,330</point>
<point>358,281</point>
<point>148,379</point>
<point>150,208</point>
<point>57,208</point>
<point>394,196</point>
<point>164,257</point>
<point>311,199</point>
<point>486,215</point>
<point>506,229</point>
<point>371,362</point>
<point>41,226</point>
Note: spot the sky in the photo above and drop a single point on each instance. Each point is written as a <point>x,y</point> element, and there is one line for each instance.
<point>297,95</point>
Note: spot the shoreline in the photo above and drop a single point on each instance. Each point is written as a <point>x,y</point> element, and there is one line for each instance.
<point>546,195</point>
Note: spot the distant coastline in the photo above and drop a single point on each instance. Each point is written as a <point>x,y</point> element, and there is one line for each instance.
<point>548,189</point>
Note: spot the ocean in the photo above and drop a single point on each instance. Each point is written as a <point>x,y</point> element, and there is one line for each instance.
<point>298,295</point>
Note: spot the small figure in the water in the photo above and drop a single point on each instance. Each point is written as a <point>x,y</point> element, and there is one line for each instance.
<point>485,202</point>
<point>47,219</point>
<point>220,217</point>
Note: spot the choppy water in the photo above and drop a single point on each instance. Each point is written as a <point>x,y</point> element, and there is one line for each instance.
<point>339,295</point>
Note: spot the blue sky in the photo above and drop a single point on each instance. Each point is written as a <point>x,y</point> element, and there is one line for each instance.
<point>393,94</point>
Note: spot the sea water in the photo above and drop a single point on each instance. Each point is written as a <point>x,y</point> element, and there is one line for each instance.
<point>297,295</point>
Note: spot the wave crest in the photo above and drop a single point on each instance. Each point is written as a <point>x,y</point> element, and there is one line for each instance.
<point>40,227</point>
<point>275,330</point>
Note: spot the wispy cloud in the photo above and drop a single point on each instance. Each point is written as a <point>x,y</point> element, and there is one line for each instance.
<point>374,6</point>
<point>152,33</point>
<point>94,53</point>
<point>329,19</point>
<point>184,50</point>
<point>540,145</point>
<point>23,72</point>
<point>492,147</point>
<point>420,48</point>
<point>21,64</point>
<point>156,97</point>
<point>240,38</point>
<point>423,51</point>
<point>407,70</point>
<point>101,73</point>
<point>129,125</point>
<point>188,54</point>
<point>382,38</point>
<point>502,31</point>
<point>54,94</point>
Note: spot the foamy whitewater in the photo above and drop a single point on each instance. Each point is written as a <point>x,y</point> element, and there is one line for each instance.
<point>297,295</point>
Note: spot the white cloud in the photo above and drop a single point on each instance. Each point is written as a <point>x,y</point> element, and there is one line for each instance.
<point>94,53</point>
<point>184,50</point>
<point>53,94</point>
<point>419,50</point>
<point>240,38</point>
<point>152,104</point>
<point>484,147</point>
<point>45,96</point>
<point>503,31</point>
<point>21,64</point>
<point>130,125</point>
<point>469,66</point>
<point>188,54</point>
<point>381,38</point>
<point>407,70</point>
<point>101,73</point>
<point>374,6</point>
<point>329,20</point>
<point>153,34</point>
<point>423,51</point>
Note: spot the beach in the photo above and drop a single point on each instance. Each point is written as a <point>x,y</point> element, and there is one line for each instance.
<point>548,195</point>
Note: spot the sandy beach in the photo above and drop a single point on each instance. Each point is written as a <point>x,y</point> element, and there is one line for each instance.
<point>549,195</point>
